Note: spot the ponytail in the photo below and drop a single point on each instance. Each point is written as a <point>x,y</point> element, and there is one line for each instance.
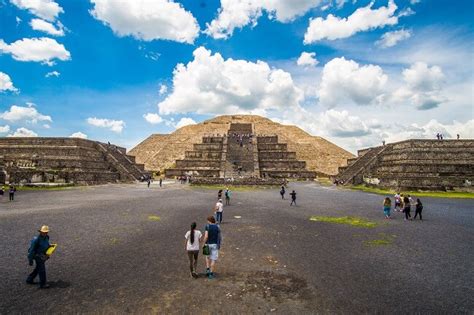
<point>193,227</point>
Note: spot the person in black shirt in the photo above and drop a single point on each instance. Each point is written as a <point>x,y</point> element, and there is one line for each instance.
<point>282,192</point>
<point>293,198</point>
<point>418,209</point>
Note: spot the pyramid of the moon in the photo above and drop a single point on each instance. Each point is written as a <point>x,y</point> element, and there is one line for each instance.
<point>163,151</point>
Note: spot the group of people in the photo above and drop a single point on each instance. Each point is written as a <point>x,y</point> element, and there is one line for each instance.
<point>211,240</point>
<point>403,204</point>
<point>11,192</point>
<point>292,194</point>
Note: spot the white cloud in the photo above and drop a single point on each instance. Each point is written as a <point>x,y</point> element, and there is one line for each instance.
<point>43,26</point>
<point>42,49</point>
<point>341,124</point>
<point>239,13</point>
<point>147,20</point>
<point>423,86</point>
<point>4,129</point>
<point>45,9</point>
<point>363,19</point>
<point>153,118</point>
<point>78,135</point>
<point>52,74</point>
<point>114,125</point>
<point>163,89</point>
<point>28,114</point>
<point>307,59</point>
<point>185,121</point>
<point>211,85</point>
<point>6,83</point>
<point>23,132</point>
<point>18,21</point>
<point>46,126</point>
<point>344,81</point>
<point>390,39</point>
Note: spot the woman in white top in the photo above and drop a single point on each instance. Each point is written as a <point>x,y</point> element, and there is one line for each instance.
<point>193,238</point>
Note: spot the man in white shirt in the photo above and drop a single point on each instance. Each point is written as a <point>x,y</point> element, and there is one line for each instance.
<point>218,209</point>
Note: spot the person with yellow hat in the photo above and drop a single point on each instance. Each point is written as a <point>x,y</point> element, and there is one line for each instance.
<point>37,252</point>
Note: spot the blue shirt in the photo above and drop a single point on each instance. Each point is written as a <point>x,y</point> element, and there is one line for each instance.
<point>39,245</point>
<point>213,234</point>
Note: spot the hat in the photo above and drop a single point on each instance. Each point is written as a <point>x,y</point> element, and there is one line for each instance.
<point>44,229</point>
<point>220,200</point>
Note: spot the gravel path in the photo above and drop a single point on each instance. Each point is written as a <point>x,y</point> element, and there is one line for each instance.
<point>112,258</point>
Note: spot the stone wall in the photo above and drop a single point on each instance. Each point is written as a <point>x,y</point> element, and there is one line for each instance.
<point>66,160</point>
<point>414,164</point>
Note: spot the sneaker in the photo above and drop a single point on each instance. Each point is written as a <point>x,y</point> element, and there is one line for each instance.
<point>194,275</point>
<point>210,275</point>
<point>30,282</point>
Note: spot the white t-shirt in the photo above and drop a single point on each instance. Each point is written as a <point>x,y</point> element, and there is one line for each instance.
<point>197,237</point>
<point>219,207</point>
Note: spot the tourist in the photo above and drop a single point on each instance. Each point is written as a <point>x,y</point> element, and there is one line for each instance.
<point>457,136</point>
<point>218,210</point>
<point>37,252</point>
<point>2,191</point>
<point>293,198</point>
<point>437,136</point>
<point>387,205</point>
<point>12,191</point>
<point>282,192</point>
<point>406,208</point>
<point>212,238</point>
<point>227,196</point>
<point>161,182</point>
<point>193,237</point>
<point>148,182</point>
<point>219,194</point>
<point>398,202</point>
<point>418,209</point>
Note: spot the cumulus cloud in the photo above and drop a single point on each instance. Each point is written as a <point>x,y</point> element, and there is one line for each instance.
<point>307,59</point>
<point>45,9</point>
<point>153,118</point>
<point>185,121</point>
<point>4,129</point>
<point>345,81</point>
<point>390,39</point>
<point>47,27</point>
<point>28,114</point>
<point>147,20</point>
<point>163,89</point>
<point>78,135</point>
<point>43,50</point>
<point>210,84</point>
<point>23,132</point>
<point>341,124</point>
<point>114,125</point>
<point>423,86</point>
<point>6,83</point>
<point>52,74</point>
<point>363,19</point>
<point>239,13</point>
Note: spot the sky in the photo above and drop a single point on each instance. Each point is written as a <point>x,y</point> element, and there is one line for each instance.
<point>354,72</point>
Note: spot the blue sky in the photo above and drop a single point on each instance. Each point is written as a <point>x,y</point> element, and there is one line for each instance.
<point>354,72</point>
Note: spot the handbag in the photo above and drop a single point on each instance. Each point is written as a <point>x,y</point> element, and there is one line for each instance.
<point>205,250</point>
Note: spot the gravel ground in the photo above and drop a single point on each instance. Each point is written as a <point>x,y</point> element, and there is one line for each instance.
<point>113,259</point>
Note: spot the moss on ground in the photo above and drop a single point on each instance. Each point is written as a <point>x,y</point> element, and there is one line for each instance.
<point>435,194</point>
<point>383,241</point>
<point>323,181</point>
<point>354,221</point>
<point>34,188</point>
<point>154,218</point>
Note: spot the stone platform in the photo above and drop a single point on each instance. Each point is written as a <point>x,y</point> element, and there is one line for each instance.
<point>413,165</point>
<point>66,160</point>
<point>240,154</point>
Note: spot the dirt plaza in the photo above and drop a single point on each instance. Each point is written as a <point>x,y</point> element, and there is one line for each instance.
<point>121,250</point>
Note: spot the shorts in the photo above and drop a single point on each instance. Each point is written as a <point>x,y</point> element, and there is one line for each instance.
<point>213,252</point>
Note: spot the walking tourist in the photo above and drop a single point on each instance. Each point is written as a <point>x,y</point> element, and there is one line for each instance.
<point>293,197</point>
<point>219,194</point>
<point>227,196</point>
<point>418,209</point>
<point>406,208</point>
<point>398,203</point>
<point>12,191</point>
<point>148,182</point>
<point>282,192</point>
<point>193,237</point>
<point>218,209</point>
<point>387,205</point>
<point>37,252</point>
<point>161,182</point>
<point>212,238</point>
